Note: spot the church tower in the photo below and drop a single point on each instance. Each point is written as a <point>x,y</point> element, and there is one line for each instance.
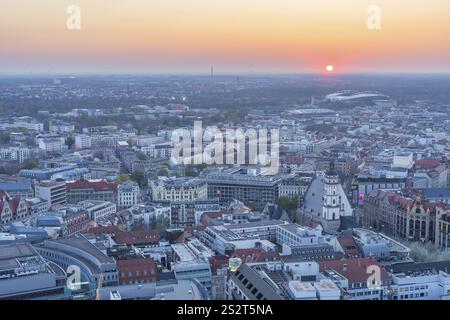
<point>331,197</point>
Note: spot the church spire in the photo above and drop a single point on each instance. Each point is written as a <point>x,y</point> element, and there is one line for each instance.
<point>331,170</point>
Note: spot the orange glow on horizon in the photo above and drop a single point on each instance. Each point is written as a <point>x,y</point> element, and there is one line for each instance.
<point>264,35</point>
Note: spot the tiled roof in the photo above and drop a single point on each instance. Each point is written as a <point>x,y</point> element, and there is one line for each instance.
<point>138,237</point>
<point>100,185</point>
<point>349,246</point>
<point>355,270</point>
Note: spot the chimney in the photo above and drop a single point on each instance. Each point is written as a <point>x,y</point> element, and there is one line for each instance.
<point>344,267</point>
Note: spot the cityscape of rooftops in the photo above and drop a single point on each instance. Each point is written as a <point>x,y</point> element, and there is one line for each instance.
<point>225,150</point>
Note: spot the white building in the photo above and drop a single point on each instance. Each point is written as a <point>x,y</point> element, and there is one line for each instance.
<point>15,153</point>
<point>61,127</point>
<point>160,150</point>
<point>225,239</point>
<point>52,145</point>
<point>83,141</point>
<point>293,186</point>
<point>191,263</point>
<point>127,194</point>
<point>98,209</point>
<point>178,189</point>
<point>23,122</point>
<point>420,281</point>
<point>403,160</point>
<point>296,235</point>
<point>421,286</point>
<point>324,289</point>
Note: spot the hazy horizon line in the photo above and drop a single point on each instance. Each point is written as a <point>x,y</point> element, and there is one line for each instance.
<point>221,74</point>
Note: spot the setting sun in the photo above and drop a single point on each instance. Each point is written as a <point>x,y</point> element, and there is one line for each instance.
<point>330,68</point>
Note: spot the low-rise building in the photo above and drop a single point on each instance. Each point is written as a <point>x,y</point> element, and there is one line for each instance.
<point>178,189</point>
<point>12,209</point>
<point>78,251</point>
<point>128,194</point>
<point>99,190</point>
<point>83,141</point>
<point>420,281</point>
<point>136,271</point>
<point>98,209</point>
<point>188,264</point>
<point>54,192</point>
<point>225,239</point>
<point>359,279</point>
<point>16,154</point>
<point>25,274</point>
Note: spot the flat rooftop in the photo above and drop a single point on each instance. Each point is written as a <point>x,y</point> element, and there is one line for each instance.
<point>81,243</point>
<point>12,256</point>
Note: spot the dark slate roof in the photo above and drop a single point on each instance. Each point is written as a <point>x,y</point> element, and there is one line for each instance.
<point>419,267</point>
<point>247,273</point>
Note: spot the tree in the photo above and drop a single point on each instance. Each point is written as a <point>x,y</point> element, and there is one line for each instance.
<point>70,141</point>
<point>289,205</point>
<point>12,168</point>
<point>31,163</point>
<point>138,177</point>
<point>123,178</point>
<point>140,155</point>
<point>427,252</point>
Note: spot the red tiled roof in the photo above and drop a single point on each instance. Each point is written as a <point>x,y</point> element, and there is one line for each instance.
<point>132,270</point>
<point>4,194</point>
<point>349,246</point>
<point>355,270</point>
<point>427,163</point>
<point>138,237</point>
<point>391,197</point>
<point>13,204</point>
<point>100,185</point>
<point>136,264</point>
<point>218,261</point>
<point>210,215</point>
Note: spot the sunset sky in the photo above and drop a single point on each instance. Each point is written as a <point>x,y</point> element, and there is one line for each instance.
<point>183,36</point>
